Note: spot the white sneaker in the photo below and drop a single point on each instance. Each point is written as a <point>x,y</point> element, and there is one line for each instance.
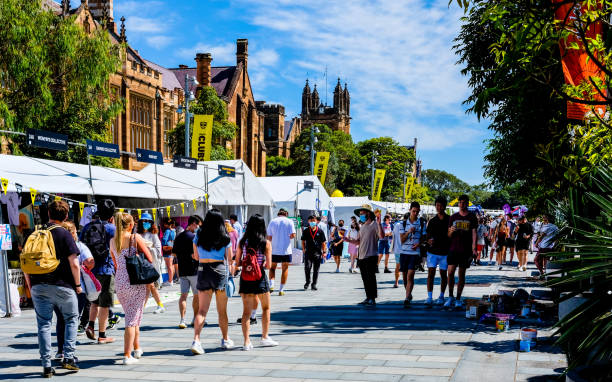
<point>459,304</point>
<point>268,342</point>
<point>227,344</point>
<point>449,302</point>
<point>439,301</point>
<point>159,309</point>
<point>129,360</point>
<point>429,301</point>
<point>167,284</point>
<point>247,347</point>
<point>138,353</point>
<point>182,324</point>
<point>196,348</point>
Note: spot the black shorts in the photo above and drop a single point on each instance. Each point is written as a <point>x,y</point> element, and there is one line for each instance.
<point>255,287</point>
<point>509,243</point>
<point>522,245</point>
<point>212,276</point>
<point>462,260</point>
<point>409,262</point>
<point>105,299</point>
<point>281,258</point>
<point>336,250</point>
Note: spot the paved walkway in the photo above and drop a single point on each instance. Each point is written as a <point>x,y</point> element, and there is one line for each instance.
<point>323,335</point>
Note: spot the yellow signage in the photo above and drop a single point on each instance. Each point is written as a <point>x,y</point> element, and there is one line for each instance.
<point>320,167</point>
<point>408,189</point>
<point>201,138</point>
<point>33,195</point>
<point>379,177</point>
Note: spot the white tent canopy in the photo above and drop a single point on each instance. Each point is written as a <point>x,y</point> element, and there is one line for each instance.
<point>288,192</point>
<point>346,206</point>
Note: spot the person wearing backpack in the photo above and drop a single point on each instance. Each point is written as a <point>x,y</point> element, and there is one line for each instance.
<point>97,235</point>
<point>212,247</point>
<point>254,255</point>
<point>50,261</point>
<point>412,235</point>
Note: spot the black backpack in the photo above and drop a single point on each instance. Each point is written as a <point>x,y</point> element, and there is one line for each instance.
<point>95,239</point>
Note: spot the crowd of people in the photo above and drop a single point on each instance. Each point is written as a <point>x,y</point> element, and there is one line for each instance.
<point>205,256</point>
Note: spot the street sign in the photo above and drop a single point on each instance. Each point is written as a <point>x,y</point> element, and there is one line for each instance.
<point>47,140</point>
<point>227,171</point>
<point>102,149</point>
<point>308,185</point>
<point>184,162</point>
<point>149,156</point>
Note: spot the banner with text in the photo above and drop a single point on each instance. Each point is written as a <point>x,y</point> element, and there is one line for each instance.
<point>320,167</point>
<point>201,138</point>
<point>379,177</point>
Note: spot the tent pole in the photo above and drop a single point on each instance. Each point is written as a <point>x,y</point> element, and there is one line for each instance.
<point>156,188</point>
<point>93,193</point>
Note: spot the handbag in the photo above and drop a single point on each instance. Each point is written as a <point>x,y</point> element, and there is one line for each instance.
<point>91,285</point>
<point>139,269</point>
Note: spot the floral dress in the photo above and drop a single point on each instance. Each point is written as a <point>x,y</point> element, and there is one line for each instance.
<point>131,297</point>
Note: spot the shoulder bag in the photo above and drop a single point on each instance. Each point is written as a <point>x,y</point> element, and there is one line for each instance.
<point>139,269</point>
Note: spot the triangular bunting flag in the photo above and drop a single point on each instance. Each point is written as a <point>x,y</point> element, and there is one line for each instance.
<point>33,195</point>
<point>58,198</point>
<point>121,210</point>
<point>154,212</point>
<point>81,207</point>
<point>139,213</point>
<point>183,208</point>
<point>4,182</point>
<point>168,211</point>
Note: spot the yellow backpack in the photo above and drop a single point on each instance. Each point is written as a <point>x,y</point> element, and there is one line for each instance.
<point>38,255</point>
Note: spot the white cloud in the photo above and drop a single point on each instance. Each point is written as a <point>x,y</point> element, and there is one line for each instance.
<point>396,56</point>
<point>159,42</point>
<point>223,54</point>
<point>144,24</point>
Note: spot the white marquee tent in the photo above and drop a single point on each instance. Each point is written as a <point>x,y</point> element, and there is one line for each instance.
<point>288,192</point>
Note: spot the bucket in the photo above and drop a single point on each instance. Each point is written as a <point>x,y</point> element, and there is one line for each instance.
<point>501,325</point>
<point>528,334</point>
<point>525,346</point>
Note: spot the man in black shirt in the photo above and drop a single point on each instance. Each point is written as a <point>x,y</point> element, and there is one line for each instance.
<point>439,244</point>
<point>59,290</point>
<point>314,245</point>
<point>188,267</point>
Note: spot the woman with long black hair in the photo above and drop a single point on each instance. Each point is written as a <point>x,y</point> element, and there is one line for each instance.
<point>254,254</point>
<point>212,248</point>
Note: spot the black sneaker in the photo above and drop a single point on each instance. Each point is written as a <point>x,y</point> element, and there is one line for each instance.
<point>70,364</point>
<point>313,287</point>
<point>363,302</point>
<point>253,321</point>
<point>370,302</point>
<point>113,321</point>
<point>48,372</point>
<point>377,270</point>
<point>80,330</point>
<point>306,286</point>
<point>406,303</point>
<point>387,270</point>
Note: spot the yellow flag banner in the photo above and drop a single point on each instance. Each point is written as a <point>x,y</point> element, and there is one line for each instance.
<point>408,189</point>
<point>139,213</point>
<point>81,208</point>
<point>4,183</point>
<point>379,177</point>
<point>168,211</point>
<point>320,167</point>
<point>183,208</point>
<point>33,195</point>
<point>121,210</point>
<point>195,205</point>
<point>58,198</point>
<point>154,213</point>
<point>201,138</point>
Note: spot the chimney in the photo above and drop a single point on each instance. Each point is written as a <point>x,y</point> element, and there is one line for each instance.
<point>183,66</point>
<point>203,72</point>
<point>242,51</point>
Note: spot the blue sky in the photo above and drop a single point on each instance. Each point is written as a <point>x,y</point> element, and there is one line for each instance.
<point>395,55</point>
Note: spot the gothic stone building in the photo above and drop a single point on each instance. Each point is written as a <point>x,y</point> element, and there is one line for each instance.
<point>336,117</point>
<point>279,134</point>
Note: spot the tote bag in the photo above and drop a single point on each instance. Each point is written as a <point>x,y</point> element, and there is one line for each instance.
<point>139,269</point>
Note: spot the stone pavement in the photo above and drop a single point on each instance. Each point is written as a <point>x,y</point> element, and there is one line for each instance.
<point>323,335</point>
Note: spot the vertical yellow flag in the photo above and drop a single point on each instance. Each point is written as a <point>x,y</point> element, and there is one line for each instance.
<point>4,183</point>
<point>154,213</point>
<point>201,138</point>
<point>81,208</point>
<point>168,211</point>
<point>408,189</point>
<point>379,177</point>
<point>33,195</point>
<point>58,198</point>
<point>183,208</point>
<point>195,205</point>
<point>320,167</point>
<point>139,213</point>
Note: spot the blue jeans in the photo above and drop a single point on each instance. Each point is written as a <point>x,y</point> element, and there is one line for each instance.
<point>46,297</point>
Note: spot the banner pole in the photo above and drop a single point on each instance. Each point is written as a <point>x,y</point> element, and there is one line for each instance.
<point>93,193</point>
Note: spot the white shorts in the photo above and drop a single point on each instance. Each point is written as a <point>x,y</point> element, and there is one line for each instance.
<point>189,282</point>
<point>434,261</point>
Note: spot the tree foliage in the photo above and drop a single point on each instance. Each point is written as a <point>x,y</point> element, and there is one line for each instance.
<point>209,103</point>
<point>55,77</point>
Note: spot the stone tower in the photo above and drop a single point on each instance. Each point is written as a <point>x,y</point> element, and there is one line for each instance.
<point>337,117</point>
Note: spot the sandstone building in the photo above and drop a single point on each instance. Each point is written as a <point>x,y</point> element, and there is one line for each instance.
<point>337,117</point>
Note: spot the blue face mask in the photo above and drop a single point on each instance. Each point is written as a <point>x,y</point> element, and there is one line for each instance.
<point>362,218</point>
<point>146,226</point>
<point>312,224</point>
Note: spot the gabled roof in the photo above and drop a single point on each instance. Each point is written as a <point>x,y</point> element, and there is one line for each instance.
<point>52,6</point>
<point>169,80</point>
<point>221,78</point>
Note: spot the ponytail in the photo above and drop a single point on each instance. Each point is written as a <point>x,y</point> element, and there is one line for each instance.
<point>122,222</point>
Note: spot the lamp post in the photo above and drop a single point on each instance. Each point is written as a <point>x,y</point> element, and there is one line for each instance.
<point>313,140</point>
<point>188,98</point>
<point>373,165</point>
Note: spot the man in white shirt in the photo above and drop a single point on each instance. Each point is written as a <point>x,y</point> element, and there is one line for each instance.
<point>281,233</point>
<point>397,246</point>
<point>233,218</point>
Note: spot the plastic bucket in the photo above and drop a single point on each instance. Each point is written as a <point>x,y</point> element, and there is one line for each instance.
<point>528,334</point>
<point>501,325</point>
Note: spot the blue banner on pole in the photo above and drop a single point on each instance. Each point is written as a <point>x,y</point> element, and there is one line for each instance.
<point>185,162</point>
<point>47,140</point>
<point>103,149</point>
<point>149,156</point>
<point>227,171</point>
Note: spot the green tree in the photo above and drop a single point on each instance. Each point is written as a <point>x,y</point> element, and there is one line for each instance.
<point>223,131</point>
<point>278,166</point>
<point>55,77</point>
<point>440,182</point>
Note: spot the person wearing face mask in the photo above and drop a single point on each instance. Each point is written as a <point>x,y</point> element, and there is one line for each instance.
<point>369,234</point>
<point>314,245</point>
<point>352,248</point>
<point>337,245</point>
<point>148,231</point>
